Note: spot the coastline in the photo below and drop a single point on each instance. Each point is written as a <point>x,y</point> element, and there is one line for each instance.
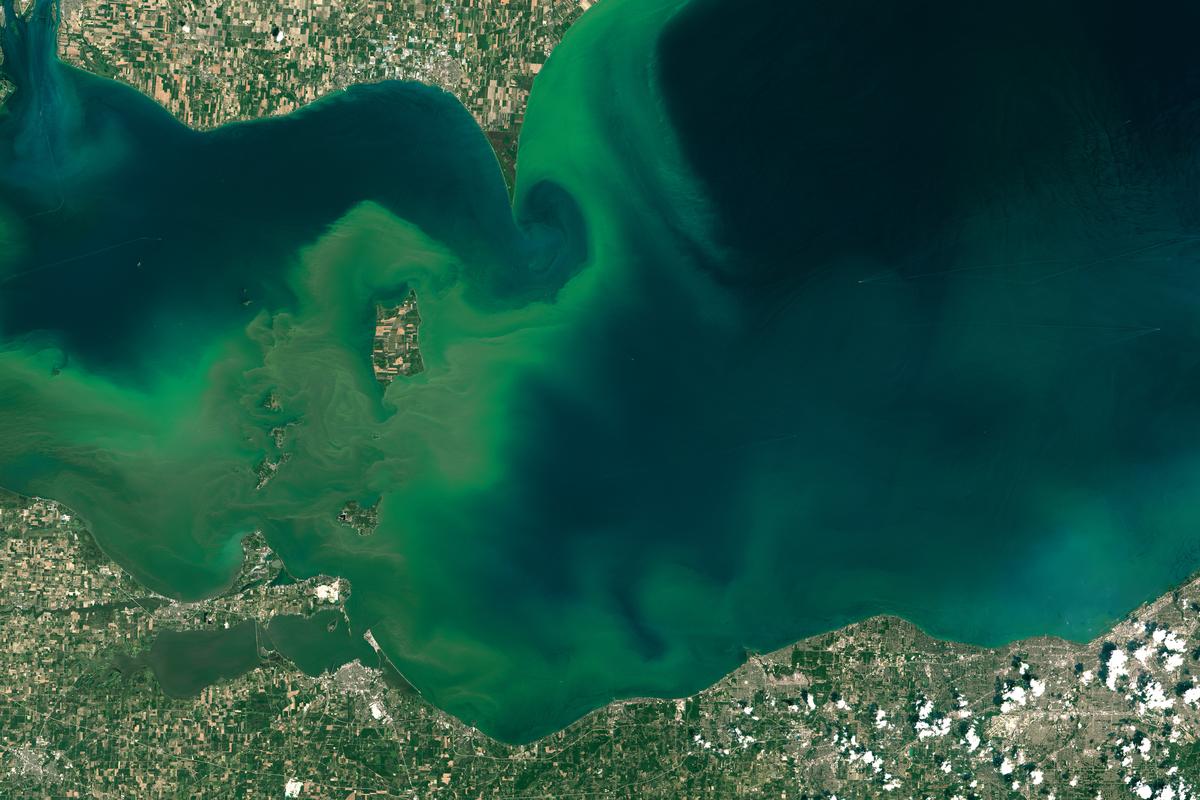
<point>752,655</point>
<point>872,708</point>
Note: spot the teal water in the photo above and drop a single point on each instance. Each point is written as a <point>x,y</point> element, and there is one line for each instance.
<point>896,315</point>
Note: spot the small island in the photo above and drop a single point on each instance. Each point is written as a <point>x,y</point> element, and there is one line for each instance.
<point>395,351</point>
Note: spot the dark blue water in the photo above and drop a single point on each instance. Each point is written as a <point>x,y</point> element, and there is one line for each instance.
<point>130,219</point>
<point>804,315</point>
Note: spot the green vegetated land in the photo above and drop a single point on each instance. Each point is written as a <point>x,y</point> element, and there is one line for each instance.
<point>746,359</point>
<point>875,709</point>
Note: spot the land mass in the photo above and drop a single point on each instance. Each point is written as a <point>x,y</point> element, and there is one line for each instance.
<point>215,61</point>
<point>873,709</point>
<point>100,698</point>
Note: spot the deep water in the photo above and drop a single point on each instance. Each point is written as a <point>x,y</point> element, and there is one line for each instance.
<point>801,314</point>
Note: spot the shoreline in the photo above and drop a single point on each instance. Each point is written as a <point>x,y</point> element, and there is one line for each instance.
<point>751,655</point>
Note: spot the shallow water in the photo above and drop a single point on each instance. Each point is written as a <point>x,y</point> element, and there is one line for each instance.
<point>319,643</point>
<point>184,662</point>
<point>895,315</point>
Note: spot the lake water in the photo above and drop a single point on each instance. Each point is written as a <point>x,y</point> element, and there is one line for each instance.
<point>800,316</point>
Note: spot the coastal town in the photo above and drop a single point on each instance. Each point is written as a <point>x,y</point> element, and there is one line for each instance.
<point>213,63</point>
<point>876,709</point>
